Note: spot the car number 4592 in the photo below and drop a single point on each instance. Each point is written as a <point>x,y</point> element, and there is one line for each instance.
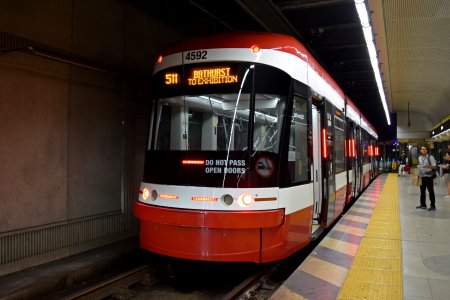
<point>196,55</point>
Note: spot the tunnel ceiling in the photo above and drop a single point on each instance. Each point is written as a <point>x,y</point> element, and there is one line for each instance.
<point>331,30</point>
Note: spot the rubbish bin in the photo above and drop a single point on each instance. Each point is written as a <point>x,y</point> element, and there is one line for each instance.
<point>394,165</point>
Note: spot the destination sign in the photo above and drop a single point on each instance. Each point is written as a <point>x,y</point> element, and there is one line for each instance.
<point>203,76</point>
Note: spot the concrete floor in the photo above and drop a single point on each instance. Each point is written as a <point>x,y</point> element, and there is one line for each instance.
<point>425,239</point>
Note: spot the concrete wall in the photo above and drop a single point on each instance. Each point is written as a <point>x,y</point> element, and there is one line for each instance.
<point>419,129</point>
<point>72,134</point>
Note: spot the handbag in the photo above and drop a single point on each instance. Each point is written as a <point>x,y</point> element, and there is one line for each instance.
<point>432,172</point>
<point>417,181</point>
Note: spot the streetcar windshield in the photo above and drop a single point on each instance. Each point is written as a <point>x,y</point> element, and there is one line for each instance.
<point>218,122</point>
<point>225,118</point>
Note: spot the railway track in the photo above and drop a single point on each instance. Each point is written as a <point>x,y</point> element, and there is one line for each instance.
<point>162,282</point>
<point>115,284</point>
<point>174,279</point>
<point>159,277</point>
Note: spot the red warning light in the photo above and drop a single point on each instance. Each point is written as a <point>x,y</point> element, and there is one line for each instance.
<point>324,143</point>
<point>255,48</point>
<point>192,162</point>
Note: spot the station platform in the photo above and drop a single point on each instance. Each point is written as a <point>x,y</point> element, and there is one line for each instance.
<point>382,248</point>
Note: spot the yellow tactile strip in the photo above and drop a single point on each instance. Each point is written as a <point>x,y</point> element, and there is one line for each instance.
<point>376,271</point>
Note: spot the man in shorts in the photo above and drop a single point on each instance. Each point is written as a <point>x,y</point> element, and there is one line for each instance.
<point>403,160</point>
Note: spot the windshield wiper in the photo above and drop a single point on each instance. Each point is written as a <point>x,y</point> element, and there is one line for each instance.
<point>232,123</point>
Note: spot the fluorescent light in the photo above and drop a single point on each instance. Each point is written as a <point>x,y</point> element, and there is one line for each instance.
<point>362,12</point>
<point>368,36</point>
<point>441,133</point>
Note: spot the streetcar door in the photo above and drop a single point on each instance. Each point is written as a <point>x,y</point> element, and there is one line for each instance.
<point>355,173</point>
<point>329,167</point>
<point>358,161</point>
<point>317,165</point>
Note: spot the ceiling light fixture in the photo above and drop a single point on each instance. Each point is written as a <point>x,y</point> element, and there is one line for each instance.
<point>368,36</point>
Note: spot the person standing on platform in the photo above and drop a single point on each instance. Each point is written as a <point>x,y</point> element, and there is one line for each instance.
<point>426,166</point>
<point>402,164</point>
<point>446,169</point>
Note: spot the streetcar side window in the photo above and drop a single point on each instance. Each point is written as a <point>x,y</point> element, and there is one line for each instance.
<point>298,142</point>
<point>339,144</point>
<point>365,147</point>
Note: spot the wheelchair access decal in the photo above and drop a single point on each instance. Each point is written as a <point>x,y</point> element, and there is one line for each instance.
<point>264,167</point>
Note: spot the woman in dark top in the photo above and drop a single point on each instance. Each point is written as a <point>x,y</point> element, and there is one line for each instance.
<point>446,169</point>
